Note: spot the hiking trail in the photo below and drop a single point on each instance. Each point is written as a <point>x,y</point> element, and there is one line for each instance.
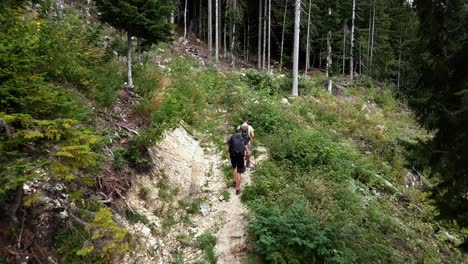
<point>185,172</point>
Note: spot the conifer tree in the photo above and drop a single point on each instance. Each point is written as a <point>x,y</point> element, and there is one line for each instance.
<point>138,18</point>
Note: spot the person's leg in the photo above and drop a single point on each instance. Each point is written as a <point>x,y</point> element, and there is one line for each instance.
<point>247,154</point>
<point>234,171</point>
<point>240,170</point>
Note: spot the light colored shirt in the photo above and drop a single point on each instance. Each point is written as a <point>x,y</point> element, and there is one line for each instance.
<point>249,130</point>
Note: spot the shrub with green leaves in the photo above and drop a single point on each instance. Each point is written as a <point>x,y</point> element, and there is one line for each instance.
<point>292,236</point>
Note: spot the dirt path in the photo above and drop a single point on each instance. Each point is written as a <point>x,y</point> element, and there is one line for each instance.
<point>190,173</point>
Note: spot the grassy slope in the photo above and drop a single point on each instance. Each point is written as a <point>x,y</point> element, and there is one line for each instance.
<point>325,151</point>
<point>332,159</point>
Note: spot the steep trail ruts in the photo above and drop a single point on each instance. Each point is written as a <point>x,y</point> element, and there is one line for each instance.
<point>193,172</point>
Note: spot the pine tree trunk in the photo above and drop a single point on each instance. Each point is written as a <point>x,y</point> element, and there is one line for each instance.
<point>351,59</point>
<point>344,48</point>
<point>399,64</point>
<point>282,35</point>
<point>200,20</point>
<point>185,20</point>
<point>360,57</point>
<point>297,21</point>
<point>210,28</point>
<point>217,30</point>
<point>308,40</point>
<point>129,61</point>
<point>372,38</point>
<point>226,29</point>
<point>329,62</point>
<point>369,34</point>
<point>259,50</point>
<point>264,34</point>
<point>248,39</point>
<point>233,36</point>
<point>269,32</point>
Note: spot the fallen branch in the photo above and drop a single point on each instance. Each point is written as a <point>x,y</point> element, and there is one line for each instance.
<point>125,201</point>
<point>129,129</point>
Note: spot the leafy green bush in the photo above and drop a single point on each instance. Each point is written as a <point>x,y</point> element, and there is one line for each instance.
<point>293,236</point>
<point>310,150</point>
<point>262,81</point>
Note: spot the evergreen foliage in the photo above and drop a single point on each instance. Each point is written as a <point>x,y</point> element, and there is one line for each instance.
<point>145,19</point>
<point>439,98</point>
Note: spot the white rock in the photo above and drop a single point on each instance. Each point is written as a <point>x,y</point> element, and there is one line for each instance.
<point>205,209</point>
<point>145,230</point>
<point>285,101</point>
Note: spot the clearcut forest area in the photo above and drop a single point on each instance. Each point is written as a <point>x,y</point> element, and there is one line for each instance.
<point>118,124</point>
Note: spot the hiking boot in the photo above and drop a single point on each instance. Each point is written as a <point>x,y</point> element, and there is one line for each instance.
<point>237,192</point>
<point>234,184</point>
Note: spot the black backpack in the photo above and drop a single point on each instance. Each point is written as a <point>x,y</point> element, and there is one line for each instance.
<point>237,145</point>
<point>245,134</point>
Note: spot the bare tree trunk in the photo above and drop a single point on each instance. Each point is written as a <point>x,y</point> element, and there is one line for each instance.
<point>185,20</point>
<point>282,35</point>
<point>308,40</point>
<point>259,49</point>
<point>369,34</point>
<point>233,36</point>
<point>329,61</point>
<point>140,55</point>
<point>210,28</point>
<point>200,20</point>
<point>269,32</point>
<point>351,59</point>
<point>372,37</point>
<point>217,30</point>
<point>360,56</point>
<point>297,21</point>
<point>344,47</point>
<point>129,61</point>
<point>399,64</point>
<point>264,34</point>
<point>248,38</point>
<point>226,29</point>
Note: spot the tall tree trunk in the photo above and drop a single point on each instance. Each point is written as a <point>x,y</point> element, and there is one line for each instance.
<point>282,35</point>
<point>372,37</point>
<point>200,20</point>
<point>399,64</point>
<point>248,38</point>
<point>129,61</point>
<point>351,59</point>
<point>225,28</point>
<point>185,20</point>
<point>297,21</point>
<point>269,32</point>
<point>329,62</point>
<point>308,40</point>
<point>210,27</point>
<point>259,57</point>
<point>233,36</point>
<point>344,47</point>
<point>369,34</point>
<point>140,55</point>
<point>360,56</point>
<point>264,34</point>
<point>217,30</point>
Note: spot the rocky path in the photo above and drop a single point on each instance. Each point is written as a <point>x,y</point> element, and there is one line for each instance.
<point>193,173</point>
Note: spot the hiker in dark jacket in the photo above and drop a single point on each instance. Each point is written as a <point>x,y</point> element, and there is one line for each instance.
<point>237,146</point>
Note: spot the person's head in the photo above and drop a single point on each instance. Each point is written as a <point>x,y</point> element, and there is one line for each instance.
<point>238,131</point>
<point>245,119</point>
<point>244,127</point>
